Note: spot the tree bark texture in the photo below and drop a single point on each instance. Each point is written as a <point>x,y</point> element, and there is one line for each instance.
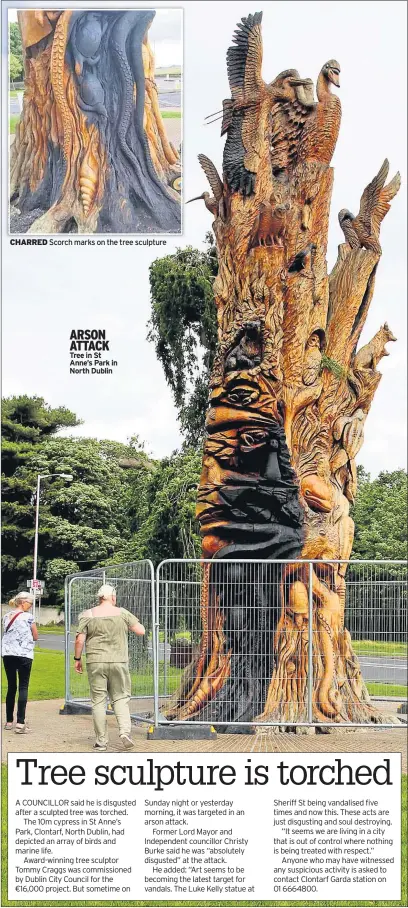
<point>91,152</point>
<point>289,397</point>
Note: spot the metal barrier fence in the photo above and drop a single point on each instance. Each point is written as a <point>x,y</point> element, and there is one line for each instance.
<point>251,598</point>
<point>134,584</point>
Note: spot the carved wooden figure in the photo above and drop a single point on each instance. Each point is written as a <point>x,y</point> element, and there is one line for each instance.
<point>288,401</point>
<point>90,152</point>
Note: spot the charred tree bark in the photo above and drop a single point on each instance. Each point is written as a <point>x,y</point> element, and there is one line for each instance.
<point>289,398</point>
<point>90,151</point>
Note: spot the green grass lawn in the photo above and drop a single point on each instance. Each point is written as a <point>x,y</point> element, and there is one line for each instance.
<point>14,118</point>
<point>171,114</point>
<point>379,648</point>
<point>308,904</point>
<point>173,679</point>
<point>47,676</point>
<point>51,628</point>
<point>47,680</point>
<point>380,689</point>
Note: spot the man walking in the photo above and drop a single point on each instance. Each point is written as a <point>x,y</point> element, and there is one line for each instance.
<point>104,632</point>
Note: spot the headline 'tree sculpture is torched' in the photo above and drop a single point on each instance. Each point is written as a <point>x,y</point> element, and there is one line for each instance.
<point>289,398</point>
<point>90,149</point>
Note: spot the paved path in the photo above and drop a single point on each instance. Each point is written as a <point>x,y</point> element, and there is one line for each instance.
<point>50,732</point>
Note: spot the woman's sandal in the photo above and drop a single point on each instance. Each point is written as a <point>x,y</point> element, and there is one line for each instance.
<point>9,725</point>
<point>21,729</point>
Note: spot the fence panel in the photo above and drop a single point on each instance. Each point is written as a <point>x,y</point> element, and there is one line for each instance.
<point>376,616</point>
<point>253,598</point>
<point>134,584</point>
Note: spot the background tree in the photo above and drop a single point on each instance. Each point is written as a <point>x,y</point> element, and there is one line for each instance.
<point>16,52</point>
<point>86,521</point>
<point>162,510</point>
<point>380,516</point>
<point>185,335</point>
<point>15,69</point>
<point>26,422</point>
<point>82,523</point>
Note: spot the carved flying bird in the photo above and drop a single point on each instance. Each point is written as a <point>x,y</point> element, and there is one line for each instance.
<point>269,225</point>
<point>215,203</point>
<point>242,122</point>
<point>320,132</point>
<point>364,230</point>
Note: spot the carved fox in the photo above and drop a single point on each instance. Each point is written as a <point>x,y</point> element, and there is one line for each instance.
<point>369,356</point>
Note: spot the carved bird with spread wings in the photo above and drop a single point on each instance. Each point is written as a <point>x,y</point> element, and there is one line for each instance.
<point>241,113</point>
<point>364,230</point>
<point>216,202</point>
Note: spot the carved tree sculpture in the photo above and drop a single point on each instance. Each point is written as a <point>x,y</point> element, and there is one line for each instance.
<point>289,398</point>
<point>90,148</point>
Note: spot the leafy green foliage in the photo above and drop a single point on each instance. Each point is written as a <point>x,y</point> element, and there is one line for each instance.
<point>163,511</point>
<point>183,328</point>
<point>15,68</point>
<point>26,418</point>
<point>16,63</point>
<point>380,515</point>
<point>16,46</point>
<point>26,422</point>
<point>82,523</point>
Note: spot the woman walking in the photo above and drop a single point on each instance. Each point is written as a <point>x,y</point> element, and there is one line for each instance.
<point>104,631</point>
<point>19,635</point>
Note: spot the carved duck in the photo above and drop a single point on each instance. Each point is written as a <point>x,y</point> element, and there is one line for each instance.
<point>321,130</point>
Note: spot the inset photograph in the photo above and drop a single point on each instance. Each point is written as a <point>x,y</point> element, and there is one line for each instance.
<point>95,121</point>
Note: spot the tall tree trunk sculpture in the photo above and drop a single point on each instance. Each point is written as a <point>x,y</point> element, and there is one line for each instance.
<point>289,398</point>
<point>90,151</point>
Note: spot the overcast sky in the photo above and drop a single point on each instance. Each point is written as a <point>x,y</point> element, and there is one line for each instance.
<point>49,291</point>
